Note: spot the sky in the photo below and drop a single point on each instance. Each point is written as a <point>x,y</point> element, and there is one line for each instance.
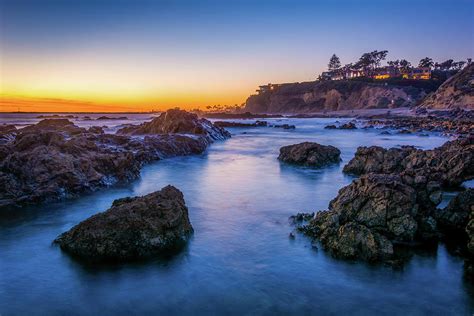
<point>116,55</point>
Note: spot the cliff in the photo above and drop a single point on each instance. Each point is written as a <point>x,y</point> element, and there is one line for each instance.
<point>318,96</point>
<point>456,92</point>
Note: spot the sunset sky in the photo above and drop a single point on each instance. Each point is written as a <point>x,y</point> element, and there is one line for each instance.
<point>139,55</point>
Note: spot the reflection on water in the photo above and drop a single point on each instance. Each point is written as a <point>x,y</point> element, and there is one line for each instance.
<point>240,260</point>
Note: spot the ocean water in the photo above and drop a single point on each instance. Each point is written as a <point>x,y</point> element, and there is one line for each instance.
<point>240,260</point>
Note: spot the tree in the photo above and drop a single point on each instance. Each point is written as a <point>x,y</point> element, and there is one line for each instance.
<point>394,63</point>
<point>368,62</point>
<point>458,65</point>
<point>426,62</point>
<point>377,57</point>
<point>405,65</point>
<point>334,63</point>
<point>446,65</point>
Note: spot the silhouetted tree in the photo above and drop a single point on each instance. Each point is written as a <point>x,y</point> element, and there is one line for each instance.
<point>394,63</point>
<point>426,62</point>
<point>445,65</point>
<point>334,63</point>
<point>405,65</point>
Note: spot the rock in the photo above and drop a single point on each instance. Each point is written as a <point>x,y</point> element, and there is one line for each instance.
<point>453,219</point>
<point>238,124</point>
<point>55,159</point>
<point>456,92</point>
<point>178,122</point>
<point>284,126</point>
<point>54,125</point>
<point>332,126</point>
<point>102,118</point>
<point>404,131</point>
<point>348,125</point>
<point>370,216</point>
<point>96,130</point>
<point>450,164</point>
<point>301,217</point>
<point>385,133</point>
<point>454,122</point>
<point>7,133</point>
<point>310,154</point>
<point>132,228</point>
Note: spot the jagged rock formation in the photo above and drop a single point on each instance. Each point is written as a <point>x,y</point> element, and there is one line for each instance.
<point>372,214</point>
<point>55,159</point>
<point>310,154</point>
<point>318,96</point>
<point>450,164</point>
<point>132,228</point>
<point>456,92</point>
<point>394,201</point>
<point>178,122</point>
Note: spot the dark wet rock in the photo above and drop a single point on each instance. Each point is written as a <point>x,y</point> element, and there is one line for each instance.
<point>7,133</point>
<point>132,228</point>
<point>404,131</point>
<point>103,118</point>
<point>239,124</point>
<point>96,130</point>
<point>284,126</point>
<point>372,215</point>
<point>178,122</point>
<point>455,122</point>
<point>57,116</point>
<point>349,125</point>
<point>301,217</point>
<point>54,125</point>
<point>450,164</point>
<point>332,126</point>
<point>310,154</point>
<point>385,133</point>
<point>55,159</point>
<point>245,115</point>
<point>453,219</point>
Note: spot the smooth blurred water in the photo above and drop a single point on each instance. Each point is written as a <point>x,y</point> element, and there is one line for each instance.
<point>240,259</point>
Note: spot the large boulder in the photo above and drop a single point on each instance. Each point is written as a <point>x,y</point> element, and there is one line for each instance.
<point>178,121</point>
<point>132,228</point>
<point>450,164</point>
<point>310,154</point>
<point>370,216</point>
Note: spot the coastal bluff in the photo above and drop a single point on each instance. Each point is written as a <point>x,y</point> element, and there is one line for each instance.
<point>319,96</point>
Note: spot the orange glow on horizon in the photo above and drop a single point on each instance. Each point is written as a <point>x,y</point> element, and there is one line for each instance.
<point>30,103</point>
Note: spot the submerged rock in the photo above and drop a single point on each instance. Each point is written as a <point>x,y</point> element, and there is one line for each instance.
<point>349,125</point>
<point>239,124</point>
<point>284,126</point>
<point>132,228</point>
<point>310,154</point>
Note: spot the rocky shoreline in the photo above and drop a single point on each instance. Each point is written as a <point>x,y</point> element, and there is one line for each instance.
<point>55,159</point>
<point>394,203</point>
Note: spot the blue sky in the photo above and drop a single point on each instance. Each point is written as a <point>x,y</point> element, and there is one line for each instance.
<point>221,50</point>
